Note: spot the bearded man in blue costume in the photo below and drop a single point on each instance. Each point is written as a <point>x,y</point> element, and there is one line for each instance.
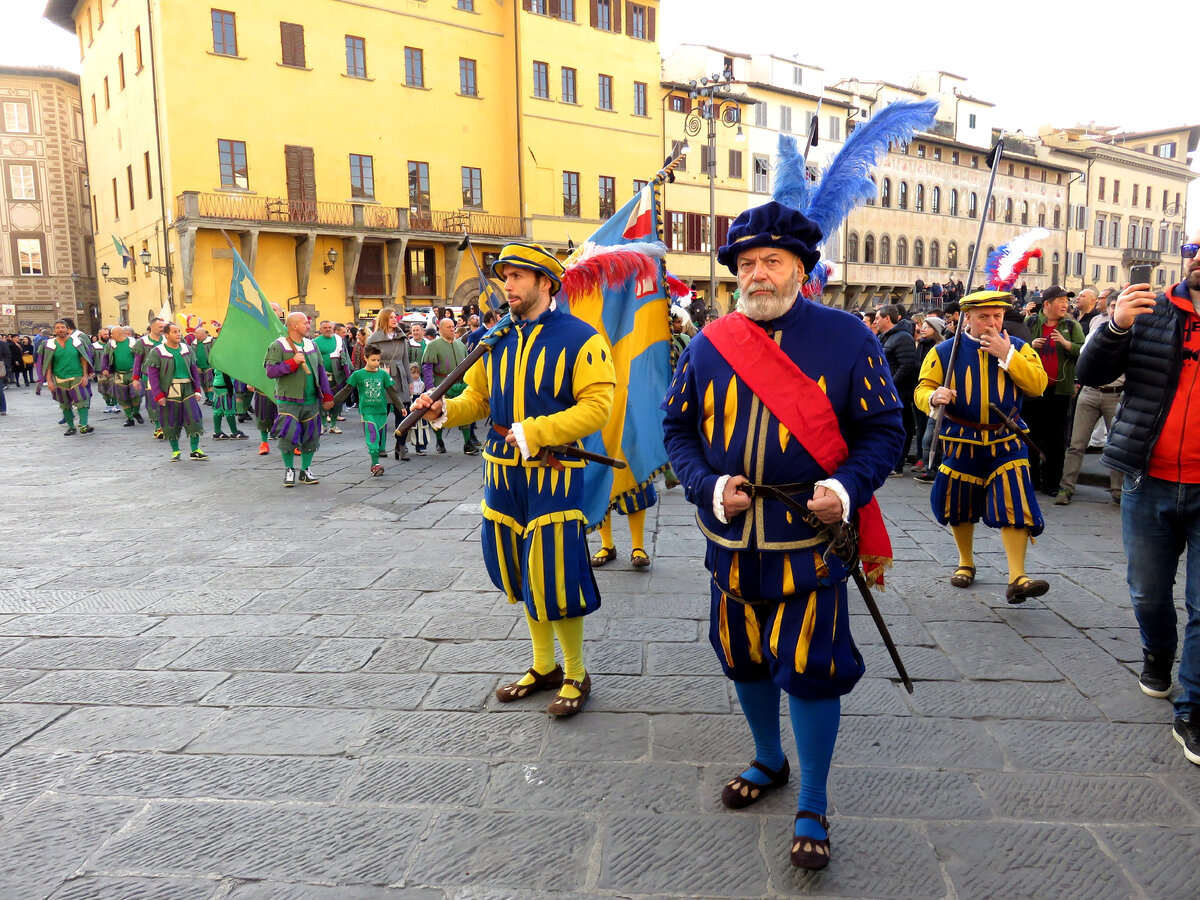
<point>783,396</point>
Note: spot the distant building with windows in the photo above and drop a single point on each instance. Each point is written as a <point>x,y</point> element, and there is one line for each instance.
<point>345,150</point>
<point>46,254</point>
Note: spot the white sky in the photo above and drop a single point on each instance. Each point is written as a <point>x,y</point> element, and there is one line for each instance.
<point>1057,63</point>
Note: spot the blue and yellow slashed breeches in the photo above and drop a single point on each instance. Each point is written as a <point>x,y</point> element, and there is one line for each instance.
<point>535,539</point>
<point>989,482</point>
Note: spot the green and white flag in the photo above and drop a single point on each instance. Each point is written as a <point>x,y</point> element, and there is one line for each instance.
<point>248,329</point>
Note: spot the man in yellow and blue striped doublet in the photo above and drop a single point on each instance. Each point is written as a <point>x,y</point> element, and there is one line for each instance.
<point>551,376</point>
<point>985,470</point>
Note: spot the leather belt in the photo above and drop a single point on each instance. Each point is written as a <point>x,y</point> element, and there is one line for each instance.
<point>990,426</point>
<point>1111,390</point>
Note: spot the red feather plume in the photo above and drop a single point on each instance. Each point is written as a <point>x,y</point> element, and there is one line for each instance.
<point>605,268</point>
<point>1019,268</point>
<point>676,289</point>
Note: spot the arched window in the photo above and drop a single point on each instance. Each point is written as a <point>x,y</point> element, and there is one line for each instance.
<point>973,205</point>
<point>970,252</point>
<point>1057,217</point>
<point>935,254</point>
<point>1054,268</point>
<point>920,198</point>
<point>952,256</point>
<point>935,200</point>
<point>887,192</point>
<point>901,252</point>
<point>954,202</point>
<point>1024,212</point>
<point>852,248</point>
<point>919,253</point>
<point>903,200</point>
<point>869,249</point>
<point>885,251</point>
<point>871,199</point>
<point>1041,261</point>
<point>1041,215</point>
<point>992,209</point>
<point>1008,210</point>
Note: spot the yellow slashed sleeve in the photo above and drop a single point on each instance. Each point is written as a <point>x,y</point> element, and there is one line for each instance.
<point>473,404</point>
<point>1026,371</point>
<point>593,383</point>
<point>929,381</point>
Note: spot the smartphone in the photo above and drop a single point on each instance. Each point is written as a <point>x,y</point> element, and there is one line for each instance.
<point>1140,274</point>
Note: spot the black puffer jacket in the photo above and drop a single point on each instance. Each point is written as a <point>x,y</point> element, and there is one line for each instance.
<point>1150,357</point>
<point>900,351</point>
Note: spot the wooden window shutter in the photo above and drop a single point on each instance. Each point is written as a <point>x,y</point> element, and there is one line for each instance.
<point>616,16</point>
<point>556,9</point>
<point>527,5</point>
<point>595,13</point>
<point>291,37</point>
<point>667,228</point>
<point>650,22</point>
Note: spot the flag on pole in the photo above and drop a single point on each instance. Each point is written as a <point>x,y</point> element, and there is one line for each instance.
<point>635,320</point>
<point>123,251</point>
<point>249,327</point>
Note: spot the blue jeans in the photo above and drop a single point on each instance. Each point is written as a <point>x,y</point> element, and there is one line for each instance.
<point>1160,519</point>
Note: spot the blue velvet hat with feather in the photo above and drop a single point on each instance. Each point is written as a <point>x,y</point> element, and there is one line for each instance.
<point>803,213</point>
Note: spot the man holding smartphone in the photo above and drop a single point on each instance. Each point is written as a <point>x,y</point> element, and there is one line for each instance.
<point>1154,341</point>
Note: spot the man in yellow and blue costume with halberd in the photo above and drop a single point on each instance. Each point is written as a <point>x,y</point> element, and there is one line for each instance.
<point>550,375</point>
<point>985,470</point>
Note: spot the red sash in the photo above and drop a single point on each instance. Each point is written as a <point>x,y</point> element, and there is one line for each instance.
<point>799,403</point>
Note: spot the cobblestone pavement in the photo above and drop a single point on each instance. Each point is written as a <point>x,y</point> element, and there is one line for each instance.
<point>211,687</point>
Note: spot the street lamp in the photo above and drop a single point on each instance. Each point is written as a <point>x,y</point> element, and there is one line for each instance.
<point>332,256</point>
<point>104,270</point>
<point>712,109</point>
<point>144,256</point>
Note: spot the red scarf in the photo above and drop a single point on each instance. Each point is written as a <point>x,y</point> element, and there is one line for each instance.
<point>799,403</point>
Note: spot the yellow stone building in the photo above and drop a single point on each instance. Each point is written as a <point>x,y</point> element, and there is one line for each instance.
<point>345,148</point>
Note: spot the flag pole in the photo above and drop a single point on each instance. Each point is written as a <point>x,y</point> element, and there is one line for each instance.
<point>995,155</point>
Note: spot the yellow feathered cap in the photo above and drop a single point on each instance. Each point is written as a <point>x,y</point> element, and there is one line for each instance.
<point>981,299</point>
<point>530,256</point>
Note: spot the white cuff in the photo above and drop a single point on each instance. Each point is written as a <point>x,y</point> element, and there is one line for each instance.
<point>440,420</point>
<point>1004,362</point>
<point>718,502</point>
<point>518,431</point>
<point>836,486</point>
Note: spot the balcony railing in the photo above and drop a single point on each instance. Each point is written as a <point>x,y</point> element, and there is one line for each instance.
<point>235,207</point>
<point>1134,255</point>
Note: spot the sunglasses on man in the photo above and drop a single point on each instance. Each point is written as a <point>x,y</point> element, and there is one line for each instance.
<point>1189,250</point>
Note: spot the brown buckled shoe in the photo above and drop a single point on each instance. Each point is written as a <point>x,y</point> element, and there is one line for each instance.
<point>809,853</point>
<point>963,577</point>
<point>639,558</point>
<point>1023,588</point>
<point>603,556</point>
<point>740,792</point>
<point>515,691</point>
<point>561,706</point>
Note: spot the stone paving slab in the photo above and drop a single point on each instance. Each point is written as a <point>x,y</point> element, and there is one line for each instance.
<point>306,711</point>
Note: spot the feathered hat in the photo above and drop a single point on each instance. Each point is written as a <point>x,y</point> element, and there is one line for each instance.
<point>1007,263</point>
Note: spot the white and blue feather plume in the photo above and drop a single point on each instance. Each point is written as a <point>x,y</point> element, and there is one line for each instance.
<point>791,180</point>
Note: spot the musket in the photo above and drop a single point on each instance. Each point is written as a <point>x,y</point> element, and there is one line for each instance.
<point>549,454</point>
<point>940,413</point>
<point>1012,426</point>
<point>455,376</point>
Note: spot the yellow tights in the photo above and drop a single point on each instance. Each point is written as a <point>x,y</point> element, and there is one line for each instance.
<point>570,637</point>
<point>1015,540</point>
<point>637,530</point>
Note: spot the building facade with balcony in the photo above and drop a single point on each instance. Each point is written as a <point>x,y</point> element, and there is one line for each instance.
<point>345,149</point>
<point>47,262</point>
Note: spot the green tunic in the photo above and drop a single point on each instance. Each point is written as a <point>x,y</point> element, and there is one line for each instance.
<point>182,369</point>
<point>122,357</point>
<point>68,361</point>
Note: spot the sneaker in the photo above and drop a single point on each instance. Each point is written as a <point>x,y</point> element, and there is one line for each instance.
<point>335,430</point>
<point>129,423</point>
<point>198,455</point>
<point>263,449</point>
<point>918,467</point>
<point>289,478</point>
<point>441,448</point>
<point>471,450</point>
<point>1155,680</point>
<point>140,420</point>
<point>222,436</point>
<point>307,477</point>
<point>70,431</point>
<point>175,455</point>
<point>341,418</point>
<point>243,417</point>
<point>896,474</point>
<point>1062,498</point>
<point>925,477</point>
<point>238,436</point>
<point>1187,732</point>
<point>158,435</point>
<point>324,430</point>
<point>62,422</point>
<point>86,429</point>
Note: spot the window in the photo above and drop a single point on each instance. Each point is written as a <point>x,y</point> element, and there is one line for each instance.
<point>137,46</point>
<point>885,199</point>
<point>852,248</point>
<point>952,256</point>
<point>971,120</point>
<point>224,33</point>
<point>902,200</point>
<point>233,165</point>
<point>418,190</point>
<point>1041,217</point>
<point>975,162</point>
<point>604,98</point>
<point>973,205</point>
<point>568,85</point>
<point>935,200</point>
<point>414,67</point>
<point>675,231</point>
<point>356,57</point>
<point>735,163</point>
<point>760,115</point>
<point>1081,213</point>
<point>149,180</point>
<point>1101,226</point>
<point>677,153</point>
<point>835,128</point>
<point>937,153</point>
<point>1100,190</point>
<point>116,202</point>
<point>954,157</point>
<point>1008,210</point>
<point>608,196</point>
<point>466,78</point>
<point>954,201</point>
<point>920,151</point>
<point>885,251</point>
<point>1057,217</point>
<point>571,194</point>
<point>602,15</point>
<point>129,183</point>
<point>918,253</point>
<point>679,103</point>
<point>1136,194</point>
<point>1114,234</point>
<point>291,41</point>
<point>362,177</point>
<point>566,12</point>
<point>93,109</point>
<point>785,119</point>
<point>1026,176</point>
<point>472,187</point>
<point>1166,151</point>
<point>1112,273</point>
<point>468,5</point>
<point>121,70</point>
<point>762,175</point>
<point>1096,272</point>
<point>706,159</point>
<point>1024,212</point>
<point>637,21</point>
<point>638,185</point>
<point>29,256</point>
<point>935,254</point>
<point>536,6</point>
<point>1133,235</point>
<point>1147,196</point>
<point>107,104</point>
<point>639,98</point>
<point>920,205</point>
<point>22,184</point>
<point>901,252</point>
<point>1116,191</point>
<point>869,249</point>
<point>992,209</point>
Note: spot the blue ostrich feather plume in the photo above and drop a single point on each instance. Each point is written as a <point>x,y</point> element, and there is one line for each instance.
<point>791,183</point>
<point>992,267</point>
<point>846,182</point>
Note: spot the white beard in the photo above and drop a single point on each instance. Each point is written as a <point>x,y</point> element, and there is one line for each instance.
<point>765,307</point>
